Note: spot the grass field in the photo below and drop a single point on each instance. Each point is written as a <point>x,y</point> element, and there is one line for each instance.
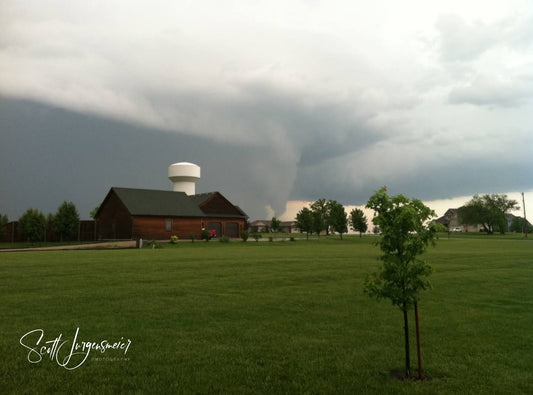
<point>282,317</point>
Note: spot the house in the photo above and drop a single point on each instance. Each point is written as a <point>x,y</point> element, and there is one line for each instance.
<point>128,213</point>
<point>260,226</point>
<point>264,226</point>
<point>288,226</point>
<point>451,220</point>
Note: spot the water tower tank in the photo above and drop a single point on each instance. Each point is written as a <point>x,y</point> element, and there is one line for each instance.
<point>184,176</point>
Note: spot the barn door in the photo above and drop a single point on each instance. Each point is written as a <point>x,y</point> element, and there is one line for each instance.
<point>232,229</point>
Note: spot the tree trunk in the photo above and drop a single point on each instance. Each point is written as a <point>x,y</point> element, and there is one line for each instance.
<point>406,333</point>
<point>420,375</point>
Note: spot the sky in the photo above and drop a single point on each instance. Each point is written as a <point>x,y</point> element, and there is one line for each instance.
<point>279,102</point>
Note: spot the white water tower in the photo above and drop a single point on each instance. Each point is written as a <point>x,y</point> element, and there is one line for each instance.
<point>184,176</point>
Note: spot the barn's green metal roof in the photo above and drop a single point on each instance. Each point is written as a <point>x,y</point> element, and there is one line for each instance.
<point>158,203</point>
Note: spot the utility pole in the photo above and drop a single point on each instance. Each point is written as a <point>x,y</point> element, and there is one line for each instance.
<point>525,219</point>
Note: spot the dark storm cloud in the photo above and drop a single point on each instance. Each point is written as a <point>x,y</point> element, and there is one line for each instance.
<point>435,171</point>
<point>275,101</point>
<point>49,155</point>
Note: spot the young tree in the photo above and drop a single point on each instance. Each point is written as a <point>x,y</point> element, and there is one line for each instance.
<point>358,221</point>
<point>518,225</point>
<point>94,211</point>
<point>66,221</point>
<point>439,228</point>
<point>337,217</point>
<point>320,215</point>
<point>32,225</point>
<point>304,221</point>
<point>318,222</point>
<point>488,210</point>
<point>404,237</point>
<point>275,224</point>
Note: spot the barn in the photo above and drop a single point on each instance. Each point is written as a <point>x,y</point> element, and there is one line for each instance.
<point>128,213</point>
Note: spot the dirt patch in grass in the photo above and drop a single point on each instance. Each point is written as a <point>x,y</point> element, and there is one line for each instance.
<point>399,374</point>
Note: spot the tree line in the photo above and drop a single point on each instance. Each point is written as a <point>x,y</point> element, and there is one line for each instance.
<point>33,224</point>
<point>487,210</point>
<point>330,216</point>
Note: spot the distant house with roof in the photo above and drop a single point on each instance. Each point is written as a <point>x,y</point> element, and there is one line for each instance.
<point>265,226</point>
<point>451,220</point>
<point>128,213</point>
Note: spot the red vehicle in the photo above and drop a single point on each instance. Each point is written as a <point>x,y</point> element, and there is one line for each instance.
<point>208,234</point>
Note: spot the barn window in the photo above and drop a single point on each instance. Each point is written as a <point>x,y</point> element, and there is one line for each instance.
<point>169,225</point>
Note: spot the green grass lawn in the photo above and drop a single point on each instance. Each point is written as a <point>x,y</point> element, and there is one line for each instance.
<point>282,317</point>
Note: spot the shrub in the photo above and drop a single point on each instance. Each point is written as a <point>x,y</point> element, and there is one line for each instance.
<point>439,227</point>
<point>257,236</point>
<point>153,244</point>
<point>174,239</point>
<point>244,235</point>
<point>292,239</point>
<point>224,239</point>
<point>205,235</point>
<point>192,235</point>
<point>271,239</point>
